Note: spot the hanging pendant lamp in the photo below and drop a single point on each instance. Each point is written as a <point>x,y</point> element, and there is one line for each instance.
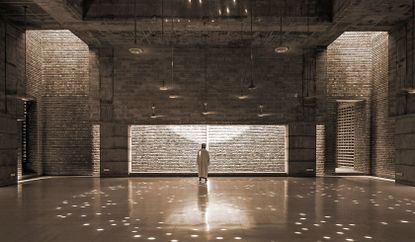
<point>252,85</point>
<point>242,94</point>
<point>153,111</point>
<point>171,95</point>
<point>205,109</point>
<point>281,48</point>
<point>135,50</point>
<point>163,86</point>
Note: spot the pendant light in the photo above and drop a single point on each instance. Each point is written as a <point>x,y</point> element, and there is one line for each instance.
<point>153,111</point>
<point>242,94</point>
<point>172,95</point>
<point>163,86</point>
<point>135,50</point>
<point>205,93</point>
<point>281,48</point>
<point>205,109</point>
<point>252,85</point>
<point>261,111</point>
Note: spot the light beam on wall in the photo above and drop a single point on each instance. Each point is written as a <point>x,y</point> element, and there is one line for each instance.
<point>232,131</point>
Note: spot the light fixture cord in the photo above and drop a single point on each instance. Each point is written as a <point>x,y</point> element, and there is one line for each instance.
<point>172,65</point>
<point>252,34</point>
<point>162,20</point>
<point>308,16</point>
<point>172,23</point>
<point>135,22</point>
<point>281,18</point>
<point>252,67</point>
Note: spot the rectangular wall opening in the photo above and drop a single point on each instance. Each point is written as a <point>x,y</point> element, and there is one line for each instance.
<point>233,148</point>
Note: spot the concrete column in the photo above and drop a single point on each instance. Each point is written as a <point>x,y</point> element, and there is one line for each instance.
<point>405,149</point>
<point>302,149</point>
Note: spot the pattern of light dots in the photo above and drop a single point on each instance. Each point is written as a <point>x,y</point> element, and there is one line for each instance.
<point>229,209</point>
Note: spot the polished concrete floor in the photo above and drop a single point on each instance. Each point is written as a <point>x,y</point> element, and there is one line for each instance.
<point>226,209</point>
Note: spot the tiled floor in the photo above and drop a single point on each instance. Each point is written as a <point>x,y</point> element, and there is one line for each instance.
<point>226,209</point>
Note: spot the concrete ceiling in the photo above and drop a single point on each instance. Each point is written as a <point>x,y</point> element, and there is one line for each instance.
<point>305,23</point>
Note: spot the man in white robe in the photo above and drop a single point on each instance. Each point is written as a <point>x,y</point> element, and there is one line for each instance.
<point>203,163</point>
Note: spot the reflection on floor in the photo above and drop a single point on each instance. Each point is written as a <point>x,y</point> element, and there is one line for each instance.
<point>227,209</point>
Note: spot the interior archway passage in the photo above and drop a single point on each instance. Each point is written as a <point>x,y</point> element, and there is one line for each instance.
<point>233,148</point>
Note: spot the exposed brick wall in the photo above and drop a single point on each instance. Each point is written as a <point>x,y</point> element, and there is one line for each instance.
<point>383,126</point>
<point>136,81</point>
<point>62,97</point>
<point>96,150</point>
<point>320,149</point>
<point>233,148</point>
<point>357,64</point>
<point>129,85</point>
<point>34,88</point>
<point>256,148</point>
<point>349,76</point>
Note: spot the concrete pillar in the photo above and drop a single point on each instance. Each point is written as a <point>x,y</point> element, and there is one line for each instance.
<point>302,149</point>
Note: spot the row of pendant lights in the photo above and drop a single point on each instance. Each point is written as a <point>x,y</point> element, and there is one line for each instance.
<point>206,112</point>
<point>163,87</point>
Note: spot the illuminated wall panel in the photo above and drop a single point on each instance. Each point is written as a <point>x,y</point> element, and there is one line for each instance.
<point>233,148</point>
<point>247,148</point>
<point>165,148</point>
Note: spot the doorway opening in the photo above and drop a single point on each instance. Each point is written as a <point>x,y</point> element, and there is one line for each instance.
<point>349,124</point>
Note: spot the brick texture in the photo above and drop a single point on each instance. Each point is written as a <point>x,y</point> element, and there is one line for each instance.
<point>349,77</point>
<point>96,150</point>
<point>382,125</point>
<point>129,86</point>
<point>233,149</point>
<point>58,79</point>
<point>34,88</point>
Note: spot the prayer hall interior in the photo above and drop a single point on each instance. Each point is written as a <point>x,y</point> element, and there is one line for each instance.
<point>306,110</point>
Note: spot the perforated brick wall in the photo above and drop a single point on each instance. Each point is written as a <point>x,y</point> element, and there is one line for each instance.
<point>96,152</point>
<point>320,149</point>
<point>349,77</point>
<point>345,140</point>
<point>233,148</point>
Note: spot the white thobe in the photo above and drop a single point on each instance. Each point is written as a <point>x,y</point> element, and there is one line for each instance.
<point>203,163</point>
